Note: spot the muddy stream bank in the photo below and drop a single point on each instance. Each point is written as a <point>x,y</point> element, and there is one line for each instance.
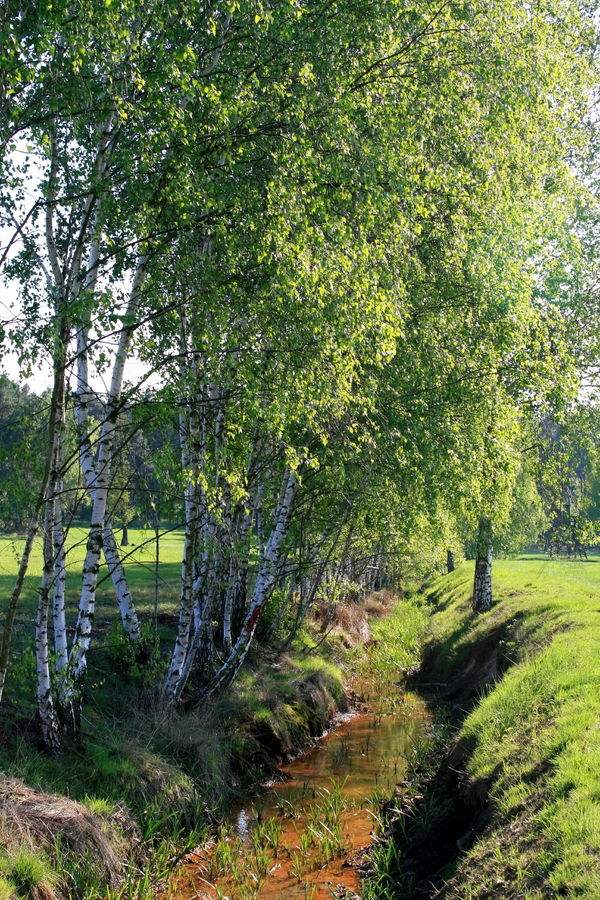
<point>304,836</point>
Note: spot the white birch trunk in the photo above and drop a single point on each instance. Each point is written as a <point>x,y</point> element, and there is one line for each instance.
<point>265,580</point>
<point>59,624</point>
<point>47,491</point>
<point>192,437</point>
<point>228,605</point>
<point>83,399</point>
<point>482,583</point>
<point>45,704</point>
<point>237,575</point>
<point>208,581</point>
<point>100,487</point>
<point>201,639</point>
<point>129,617</point>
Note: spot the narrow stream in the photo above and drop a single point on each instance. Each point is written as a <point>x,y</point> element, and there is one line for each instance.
<point>300,838</point>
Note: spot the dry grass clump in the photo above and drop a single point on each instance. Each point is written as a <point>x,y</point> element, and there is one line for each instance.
<point>37,827</point>
<point>352,621</point>
<point>160,781</point>
<point>316,693</point>
<point>379,603</point>
<point>348,619</point>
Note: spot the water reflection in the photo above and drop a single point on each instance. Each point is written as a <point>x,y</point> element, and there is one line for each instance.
<point>300,839</point>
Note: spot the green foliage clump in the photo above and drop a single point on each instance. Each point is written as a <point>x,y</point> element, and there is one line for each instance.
<point>8,890</point>
<point>142,664</point>
<point>27,870</point>
<point>100,806</point>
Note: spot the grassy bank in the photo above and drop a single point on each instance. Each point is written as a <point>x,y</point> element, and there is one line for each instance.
<point>146,785</point>
<point>510,808</point>
<point>297,841</point>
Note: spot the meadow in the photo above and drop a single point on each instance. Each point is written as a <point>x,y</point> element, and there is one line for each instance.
<point>521,682</point>
<point>155,590</point>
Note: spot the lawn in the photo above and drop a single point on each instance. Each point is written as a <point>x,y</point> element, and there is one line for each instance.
<point>139,553</point>
<point>139,562</point>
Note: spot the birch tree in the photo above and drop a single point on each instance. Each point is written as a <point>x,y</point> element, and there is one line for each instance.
<point>315,225</point>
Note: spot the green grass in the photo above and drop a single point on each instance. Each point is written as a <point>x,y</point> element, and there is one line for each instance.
<point>8,890</point>
<point>535,736</point>
<point>25,871</point>
<point>138,560</point>
<point>139,566</point>
<point>397,641</point>
<point>141,550</point>
<point>175,772</point>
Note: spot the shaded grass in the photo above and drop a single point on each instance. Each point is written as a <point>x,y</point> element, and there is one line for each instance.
<point>531,743</point>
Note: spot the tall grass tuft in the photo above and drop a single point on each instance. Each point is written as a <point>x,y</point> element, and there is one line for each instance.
<point>30,873</point>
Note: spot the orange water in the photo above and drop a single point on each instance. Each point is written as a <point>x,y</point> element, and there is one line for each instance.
<point>361,760</point>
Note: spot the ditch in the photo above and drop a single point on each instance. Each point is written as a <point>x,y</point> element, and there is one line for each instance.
<point>306,834</point>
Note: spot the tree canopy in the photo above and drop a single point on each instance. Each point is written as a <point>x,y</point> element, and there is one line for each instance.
<point>324,229</point>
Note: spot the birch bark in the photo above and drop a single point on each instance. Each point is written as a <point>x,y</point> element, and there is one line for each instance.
<point>45,704</point>
<point>56,417</point>
<point>482,583</point>
<point>59,624</point>
<point>101,484</point>
<point>238,572</point>
<point>192,437</point>
<point>84,397</point>
<point>264,583</point>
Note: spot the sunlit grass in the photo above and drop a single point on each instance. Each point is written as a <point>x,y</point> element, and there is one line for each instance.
<point>145,581</point>
<point>140,550</point>
<point>536,736</point>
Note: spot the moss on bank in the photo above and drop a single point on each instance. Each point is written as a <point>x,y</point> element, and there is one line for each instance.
<point>509,808</point>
